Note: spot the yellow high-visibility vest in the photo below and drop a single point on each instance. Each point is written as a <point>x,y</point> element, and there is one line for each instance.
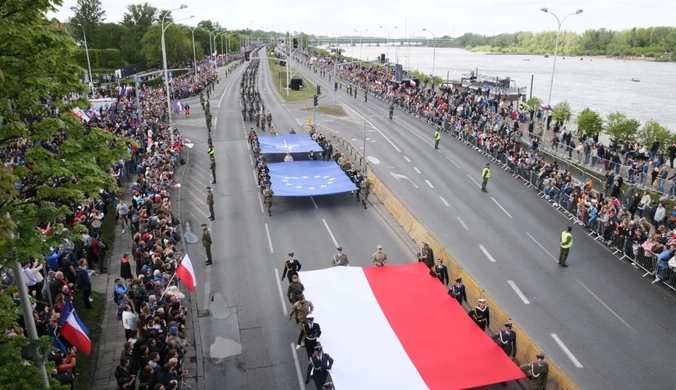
<point>437,136</point>
<point>564,237</point>
<point>486,173</point>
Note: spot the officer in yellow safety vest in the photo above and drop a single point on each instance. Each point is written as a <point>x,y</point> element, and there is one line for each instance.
<point>566,243</point>
<point>211,150</point>
<point>437,138</point>
<point>485,175</point>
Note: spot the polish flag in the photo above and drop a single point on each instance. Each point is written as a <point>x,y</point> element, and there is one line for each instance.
<point>387,335</point>
<point>186,273</point>
<point>73,330</point>
<point>413,83</point>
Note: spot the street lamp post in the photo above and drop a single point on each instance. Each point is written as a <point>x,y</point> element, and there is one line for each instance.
<point>556,48</point>
<point>387,46</point>
<point>434,55</point>
<point>361,35</point>
<point>89,64</point>
<point>194,55</point>
<point>166,71</point>
<point>335,66</point>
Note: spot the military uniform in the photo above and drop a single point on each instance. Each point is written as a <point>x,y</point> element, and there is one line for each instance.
<point>210,203</point>
<point>206,241</point>
<point>537,373</point>
<point>268,193</point>
<point>294,291</point>
<point>506,339</point>
<point>208,118</point>
<point>440,272</point>
<point>457,291</point>
<point>291,267</point>
<point>301,309</point>
<point>365,190</point>
<point>379,257</point>
<point>481,315</point>
<point>358,178</point>
<point>202,99</point>
<point>309,335</point>
<point>340,258</point>
<point>212,166</point>
<point>426,254</point>
<point>318,368</point>
<point>391,110</point>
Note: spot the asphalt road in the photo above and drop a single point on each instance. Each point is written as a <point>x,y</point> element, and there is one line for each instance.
<point>246,337</point>
<point>597,319</point>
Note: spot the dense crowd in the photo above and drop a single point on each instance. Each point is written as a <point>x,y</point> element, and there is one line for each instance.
<point>494,125</point>
<point>149,303</point>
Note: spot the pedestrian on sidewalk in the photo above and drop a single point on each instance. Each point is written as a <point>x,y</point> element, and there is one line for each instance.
<point>84,283</point>
<point>125,267</point>
<point>566,243</point>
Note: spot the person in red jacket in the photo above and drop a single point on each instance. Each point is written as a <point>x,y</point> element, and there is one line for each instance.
<point>99,249</point>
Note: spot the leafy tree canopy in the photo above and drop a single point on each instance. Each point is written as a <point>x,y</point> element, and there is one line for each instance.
<point>652,130</point>
<point>621,128</point>
<point>89,14</point>
<point>561,112</point>
<point>590,121</point>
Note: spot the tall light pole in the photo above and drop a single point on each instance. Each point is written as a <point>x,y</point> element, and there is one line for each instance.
<point>194,55</point>
<point>166,71</point>
<point>361,35</point>
<point>335,66</point>
<point>434,55</point>
<point>89,64</point>
<point>556,47</point>
<point>387,46</point>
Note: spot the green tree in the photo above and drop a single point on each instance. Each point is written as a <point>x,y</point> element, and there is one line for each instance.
<point>38,74</point>
<point>590,121</point>
<point>534,102</point>
<point>108,36</point>
<point>89,14</point>
<point>137,20</point>
<point>178,46</point>
<point>652,130</point>
<point>621,128</point>
<point>561,112</point>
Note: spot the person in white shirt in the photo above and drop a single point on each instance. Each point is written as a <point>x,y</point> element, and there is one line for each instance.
<point>122,211</point>
<point>129,322</point>
<point>29,279</point>
<point>288,157</point>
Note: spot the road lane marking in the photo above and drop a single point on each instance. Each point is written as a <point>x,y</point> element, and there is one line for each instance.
<point>503,209</point>
<point>413,132</point>
<point>417,170</point>
<point>429,184</point>
<point>475,182</point>
<point>251,160</point>
<point>444,201</point>
<point>378,130</point>
<point>278,279</point>
<point>255,177</point>
<point>464,225</point>
<point>314,203</point>
<point>567,351</point>
<point>407,159</point>
<point>454,163</point>
<point>330,233</point>
<point>267,231</point>
<point>483,249</point>
<point>195,197</point>
<point>543,248</point>
<point>606,306</point>
<point>207,290</point>
<point>260,202</point>
<point>301,383</point>
<point>201,212</point>
<point>518,292</point>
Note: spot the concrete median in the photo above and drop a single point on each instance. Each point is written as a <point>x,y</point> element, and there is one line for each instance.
<point>527,349</point>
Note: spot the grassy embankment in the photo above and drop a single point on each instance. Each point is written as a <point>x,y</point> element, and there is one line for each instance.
<point>279,73</point>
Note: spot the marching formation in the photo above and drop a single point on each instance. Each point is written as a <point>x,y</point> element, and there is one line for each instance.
<point>250,99</point>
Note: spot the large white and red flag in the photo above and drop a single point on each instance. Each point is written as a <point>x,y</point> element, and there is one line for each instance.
<point>396,327</point>
<point>186,273</point>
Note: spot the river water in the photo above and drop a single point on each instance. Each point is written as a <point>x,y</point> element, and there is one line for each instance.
<point>602,84</point>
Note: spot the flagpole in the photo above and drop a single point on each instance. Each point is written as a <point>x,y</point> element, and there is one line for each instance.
<point>168,284</point>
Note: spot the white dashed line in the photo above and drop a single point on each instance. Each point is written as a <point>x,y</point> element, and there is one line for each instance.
<point>444,201</point>
<point>417,170</point>
<point>251,160</point>
<point>518,292</point>
<point>454,163</point>
<point>378,130</point>
<point>330,233</point>
<point>260,201</point>
<point>475,182</point>
<point>567,351</point>
<point>255,177</point>
<point>314,203</point>
<point>278,278</point>
<point>542,247</point>
<point>301,383</point>
<point>503,209</point>
<point>483,249</point>
<point>407,159</point>
<point>604,304</point>
<point>464,225</point>
<point>267,231</point>
<point>429,184</point>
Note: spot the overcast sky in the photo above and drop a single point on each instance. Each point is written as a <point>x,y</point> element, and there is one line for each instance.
<point>442,17</point>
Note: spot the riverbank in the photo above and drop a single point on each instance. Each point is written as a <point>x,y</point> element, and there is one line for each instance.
<point>590,57</point>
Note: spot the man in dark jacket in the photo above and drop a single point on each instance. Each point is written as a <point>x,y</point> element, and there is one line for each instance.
<point>83,282</point>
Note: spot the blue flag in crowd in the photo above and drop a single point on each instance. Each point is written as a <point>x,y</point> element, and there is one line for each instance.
<point>293,143</point>
<point>309,178</point>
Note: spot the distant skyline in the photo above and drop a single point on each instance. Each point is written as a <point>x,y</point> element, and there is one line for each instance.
<point>442,17</point>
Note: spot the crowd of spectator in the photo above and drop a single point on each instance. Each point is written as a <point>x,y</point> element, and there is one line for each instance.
<point>493,124</point>
<point>149,304</point>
